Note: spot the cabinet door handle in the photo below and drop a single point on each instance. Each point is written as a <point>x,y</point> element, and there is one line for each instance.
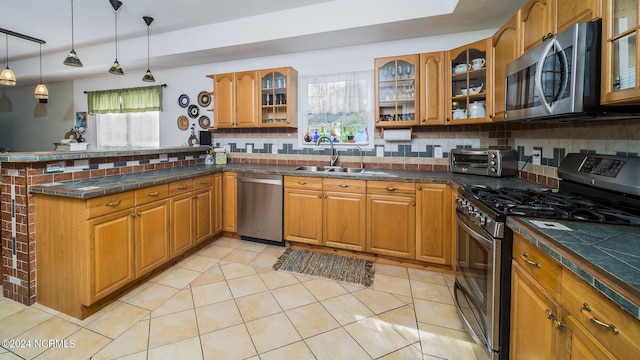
<point>558,324</point>
<point>413,204</point>
<point>203,182</point>
<point>595,320</point>
<point>419,188</point>
<point>138,213</point>
<point>320,196</point>
<point>133,214</point>
<point>302,183</point>
<point>525,257</point>
<point>392,189</point>
<point>113,204</point>
<point>344,185</point>
<point>550,314</point>
<point>155,193</point>
<point>182,187</point>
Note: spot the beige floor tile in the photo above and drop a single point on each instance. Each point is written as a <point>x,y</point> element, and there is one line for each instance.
<point>352,287</point>
<point>246,286</point>
<point>336,344</point>
<point>274,250</point>
<point>93,317</point>
<point>253,246</point>
<point>133,341</point>
<point>264,261</point>
<point>229,343</point>
<point>80,345</point>
<point>324,289</point>
<point>292,296</point>
<point>45,309</point>
<point>311,320</point>
<point>346,308</point>
<point>229,242</point>
<point>135,291</point>
<point>137,356</point>
<point>9,307</point>
<point>378,301</point>
<point>408,300</point>
<point>198,263</point>
<point>9,356</point>
<point>392,284</point>
<point>215,251</point>
<point>182,300</point>
<point>172,328</point>
<point>276,279</point>
<point>258,305</point>
<point>217,316</point>
<point>431,292</point>
<point>235,270</point>
<point>241,256</point>
<point>25,319</point>
<point>440,314</point>
<point>214,274</point>
<point>152,296</point>
<point>411,352</point>
<point>446,343</point>
<point>426,276</point>
<point>391,270</point>
<point>376,336</point>
<point>211,293</point>
<point>297,351</point>
<point>450,279</point>
<point>113,323</point>
<point>177,277</point>
<point>272,332</point>
<point>403,321</point>
<point>52,329</point>
<point>185,349</point>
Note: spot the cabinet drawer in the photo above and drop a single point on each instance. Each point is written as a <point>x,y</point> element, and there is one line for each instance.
<point>345,185</point>
<point>302,182</point>
<point>544,269</point>
<point>390,187</point>
<point>202,182</point>
<point>151,194</point>
<point>109,204</point>
<point>576,292</point>
<point>180,187</point>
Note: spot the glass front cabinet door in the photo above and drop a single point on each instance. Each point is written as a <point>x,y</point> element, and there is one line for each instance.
<point>620,52</point>
<point>396,91</point>
<point>469,84</point>
<point>278,97</point>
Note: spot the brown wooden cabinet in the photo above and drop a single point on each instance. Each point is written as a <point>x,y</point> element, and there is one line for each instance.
<point>344,214</point>
<point>182,215</point>
<point>224,97</point>
<point>506,48</point>
<point>152,236</point>
<point>207,200</point>
<point>303,209</point>
<point>620,52</point>
<point>391,218</point>
<point>432,85</point>
<point>278,97</point>
<point>396,91</point>
<point>469,85</point>
<point>230,201</point>
<point>433,232</point>
<point>246,103</point>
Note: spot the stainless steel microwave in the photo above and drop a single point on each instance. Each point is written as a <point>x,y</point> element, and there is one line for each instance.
<point>558,78</point>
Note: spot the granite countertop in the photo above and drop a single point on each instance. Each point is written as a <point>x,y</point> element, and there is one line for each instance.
<point>605,256</point>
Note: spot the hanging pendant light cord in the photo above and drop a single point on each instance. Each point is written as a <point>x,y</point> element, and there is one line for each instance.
<point>40,63</point>
<point>72,39</point>
<point>115,17</point>
<point>147,46</point>
<point>6,62</point>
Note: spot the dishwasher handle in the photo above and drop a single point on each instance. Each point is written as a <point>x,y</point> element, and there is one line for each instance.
<point>260,181</point>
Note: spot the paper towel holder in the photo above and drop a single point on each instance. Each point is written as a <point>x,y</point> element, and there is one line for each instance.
<point>397,134</point>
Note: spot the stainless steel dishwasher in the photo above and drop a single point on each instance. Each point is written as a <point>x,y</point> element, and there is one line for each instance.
<point>260,207</point>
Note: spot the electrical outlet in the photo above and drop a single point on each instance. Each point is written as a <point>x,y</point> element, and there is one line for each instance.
<point>164,157</point>
<point>536,156</point>
<point>81,164</point>
<point>56,166</point>
<point>380,151</point>
<point>249,149</point>
<point>274,149</point>
<point>437,152</point>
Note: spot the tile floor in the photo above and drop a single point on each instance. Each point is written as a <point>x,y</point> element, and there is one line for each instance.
<point>225,302</point>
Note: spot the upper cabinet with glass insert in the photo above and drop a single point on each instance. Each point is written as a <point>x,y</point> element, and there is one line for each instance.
<point>620,79</point>
<point>397,91</point>
<point>469,84</point>
<point>278,97</point>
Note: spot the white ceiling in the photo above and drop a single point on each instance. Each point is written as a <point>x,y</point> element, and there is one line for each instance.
<point>191,32</point>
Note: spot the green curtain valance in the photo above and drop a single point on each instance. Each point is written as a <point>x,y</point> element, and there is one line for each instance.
<point>139,99</point>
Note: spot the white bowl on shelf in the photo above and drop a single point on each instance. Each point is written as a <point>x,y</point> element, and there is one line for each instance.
<point>472,90</point>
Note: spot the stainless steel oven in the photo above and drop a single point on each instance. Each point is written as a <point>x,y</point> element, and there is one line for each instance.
<point>483,277</point>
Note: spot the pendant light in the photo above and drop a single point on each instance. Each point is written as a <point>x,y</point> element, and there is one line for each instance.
<point>72,59</point>
<point>7,77</point>
<point>148,76</point>
<point>115,68</point>
<point>41,93</point>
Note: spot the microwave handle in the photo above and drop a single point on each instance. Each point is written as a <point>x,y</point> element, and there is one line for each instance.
<point>547,50</point>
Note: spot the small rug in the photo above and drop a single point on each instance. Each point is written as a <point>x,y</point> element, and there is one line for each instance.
<point>336,267</point>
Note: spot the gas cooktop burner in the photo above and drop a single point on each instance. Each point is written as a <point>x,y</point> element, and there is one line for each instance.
<point>549,204</point>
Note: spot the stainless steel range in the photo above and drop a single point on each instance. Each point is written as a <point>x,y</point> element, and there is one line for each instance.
<point>593,188</point>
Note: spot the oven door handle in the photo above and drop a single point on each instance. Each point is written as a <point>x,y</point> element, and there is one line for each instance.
<point>480,340</point>
<point>486,241</point>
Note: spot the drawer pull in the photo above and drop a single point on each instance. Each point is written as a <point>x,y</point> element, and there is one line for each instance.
<point>113,204</point>
<point>182,187</point>
<point>595,320</point>
<point>203,182</point>
<point>557,324</point>
<point>525,258</point>
<point>392,189</point>
<point>302,183</point>
<point>419,187</point>
<point>155,193</point>
<point>344,185</point>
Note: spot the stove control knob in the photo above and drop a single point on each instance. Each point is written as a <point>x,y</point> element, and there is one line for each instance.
<point>493,170</point>
<point>493,155</point>
<point>480,220</point>
<point>492,163</point>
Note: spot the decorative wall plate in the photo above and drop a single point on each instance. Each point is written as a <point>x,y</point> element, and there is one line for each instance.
<point>183,100</point>
<point>204,121</point>
<point>204,98</point>
<point>193,140</point>
<point>70,134</point>
<point>183,122</point>
<point>194,111</point>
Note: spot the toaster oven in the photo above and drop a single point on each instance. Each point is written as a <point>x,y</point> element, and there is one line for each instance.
<point>488,162</point>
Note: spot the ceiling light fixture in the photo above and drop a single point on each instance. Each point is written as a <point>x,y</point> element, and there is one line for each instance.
<point>72,59</point>
<point>41,93</point>
<point>116,69</point>
<point>7,78</point>
<point>148,76</point>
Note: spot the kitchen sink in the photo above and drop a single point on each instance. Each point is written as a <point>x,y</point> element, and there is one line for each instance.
<point>311,168</point>
<point>346,169</point>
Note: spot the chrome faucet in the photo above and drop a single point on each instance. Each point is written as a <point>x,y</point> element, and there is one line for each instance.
<point>360,151</point>
<point>333,157</point>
